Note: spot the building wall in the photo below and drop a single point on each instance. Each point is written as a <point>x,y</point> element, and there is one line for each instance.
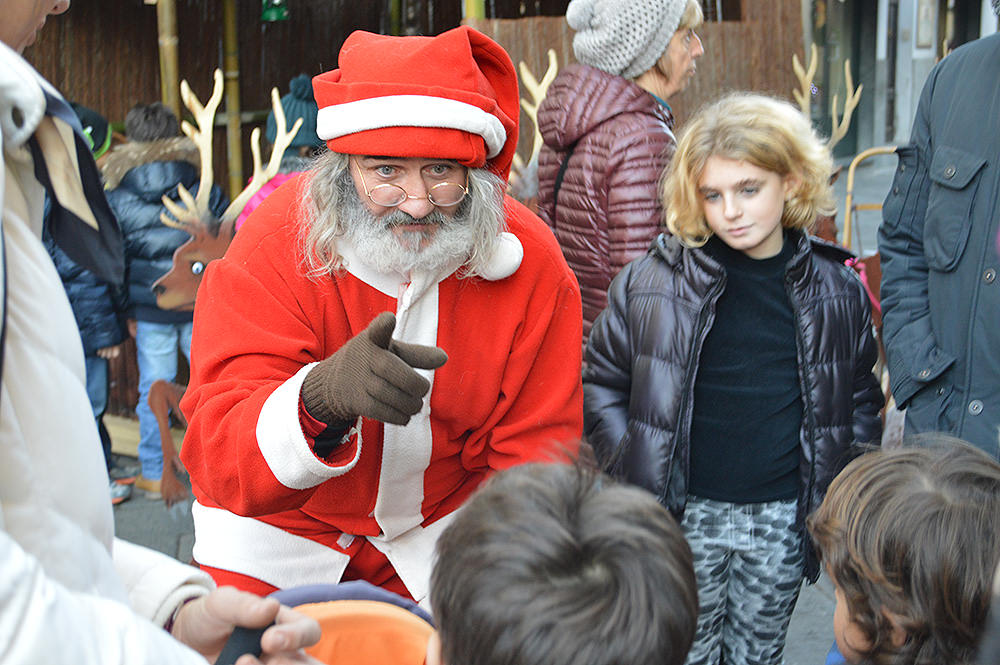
<point>919,40</point>
<point>917,53</point>
<point>864,31</point>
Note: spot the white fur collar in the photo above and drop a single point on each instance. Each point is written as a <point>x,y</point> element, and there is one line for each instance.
<point>505,261</point>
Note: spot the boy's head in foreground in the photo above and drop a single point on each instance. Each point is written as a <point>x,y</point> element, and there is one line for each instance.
<point>553,564</point>
<point>911,538</point>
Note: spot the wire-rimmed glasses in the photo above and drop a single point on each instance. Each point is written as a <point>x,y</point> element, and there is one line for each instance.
<point>443,194</point>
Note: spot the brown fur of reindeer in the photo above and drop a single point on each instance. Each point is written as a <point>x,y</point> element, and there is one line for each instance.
<point>210,238</point>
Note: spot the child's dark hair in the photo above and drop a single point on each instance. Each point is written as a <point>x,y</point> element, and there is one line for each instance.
<point>150,122</point>
<point>912,537</point>
<point>553,564</point>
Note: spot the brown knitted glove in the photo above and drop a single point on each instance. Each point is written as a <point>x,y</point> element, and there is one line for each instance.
<point>371,376</point>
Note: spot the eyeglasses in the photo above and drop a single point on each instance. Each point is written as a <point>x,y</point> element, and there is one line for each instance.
<point>443,194</point>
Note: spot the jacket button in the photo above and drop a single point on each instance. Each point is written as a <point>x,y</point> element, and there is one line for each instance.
<point>989,275</point>
<point>924,373</point>
<point>895,190</point>
<point>902,167</point>
<point>949,172</point>
<point>976,407</point>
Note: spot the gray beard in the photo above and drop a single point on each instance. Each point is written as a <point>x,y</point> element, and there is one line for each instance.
<point>387,251</point>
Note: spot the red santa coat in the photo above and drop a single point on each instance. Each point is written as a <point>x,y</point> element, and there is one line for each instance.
<point>510,393</point>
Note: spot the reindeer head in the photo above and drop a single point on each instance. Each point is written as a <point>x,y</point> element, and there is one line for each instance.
<point>210,236</point>
<point>177,289</point>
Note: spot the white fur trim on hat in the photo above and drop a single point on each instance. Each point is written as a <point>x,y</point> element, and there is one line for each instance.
<point>623,37</point>
<point>411,111</point>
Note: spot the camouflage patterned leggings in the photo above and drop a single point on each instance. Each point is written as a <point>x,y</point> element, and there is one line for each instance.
<point>748,560</point>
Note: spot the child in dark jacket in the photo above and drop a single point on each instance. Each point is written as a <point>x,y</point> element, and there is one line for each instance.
<point>731,373</point>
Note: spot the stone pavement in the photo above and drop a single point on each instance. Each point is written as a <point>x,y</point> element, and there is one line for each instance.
<point>148,522</point>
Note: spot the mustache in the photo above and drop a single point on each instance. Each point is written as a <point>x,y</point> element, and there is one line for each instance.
<point>400,218</point>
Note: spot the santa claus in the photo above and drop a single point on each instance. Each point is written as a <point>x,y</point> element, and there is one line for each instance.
<point>385,331</point>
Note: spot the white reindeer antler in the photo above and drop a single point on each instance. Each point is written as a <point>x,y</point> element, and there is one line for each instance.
<point>803,96</point>
<point>196,208</point>
<point>261,176</point>
<point>839,128</point>
<point>537,91</point>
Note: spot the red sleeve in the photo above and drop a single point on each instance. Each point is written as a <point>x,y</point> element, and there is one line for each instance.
<point>254,340</point>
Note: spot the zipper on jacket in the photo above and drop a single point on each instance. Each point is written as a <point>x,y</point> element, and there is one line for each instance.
<point>809,417</point>
<point>684,420</point>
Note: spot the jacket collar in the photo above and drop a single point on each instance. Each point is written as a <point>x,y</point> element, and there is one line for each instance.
<point>671,250</point>
<point>565,116</point>
<point>125,157</point>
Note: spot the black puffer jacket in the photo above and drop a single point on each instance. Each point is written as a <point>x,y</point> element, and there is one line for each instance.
<point>138,175</point>
<point>642,359</point>
<point>98,307</point>
<point>609,203</point>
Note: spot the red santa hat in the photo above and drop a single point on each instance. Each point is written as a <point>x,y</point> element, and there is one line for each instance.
<point>453,96</point>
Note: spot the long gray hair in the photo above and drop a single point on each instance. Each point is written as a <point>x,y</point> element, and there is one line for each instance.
<point>331,188</point>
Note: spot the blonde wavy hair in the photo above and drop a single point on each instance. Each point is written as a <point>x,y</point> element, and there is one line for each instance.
<point>764,131</point>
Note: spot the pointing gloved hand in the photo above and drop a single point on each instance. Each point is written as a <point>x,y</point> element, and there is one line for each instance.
<point>371,376</point>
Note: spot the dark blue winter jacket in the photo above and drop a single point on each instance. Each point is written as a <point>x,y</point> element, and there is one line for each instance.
<point>98,307</point>
<point>137,176</point>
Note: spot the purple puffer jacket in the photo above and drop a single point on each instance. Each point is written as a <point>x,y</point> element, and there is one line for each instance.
<point>609,205</point>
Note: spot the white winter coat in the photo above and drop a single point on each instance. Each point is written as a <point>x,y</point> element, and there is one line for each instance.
<point>69,592</point>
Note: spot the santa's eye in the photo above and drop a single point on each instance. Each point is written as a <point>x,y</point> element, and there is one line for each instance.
<point>197,268</point>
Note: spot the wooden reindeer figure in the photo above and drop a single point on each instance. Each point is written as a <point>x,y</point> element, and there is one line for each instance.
<point>826,225</point>
<point>524,175</point>
<point>210,237</point>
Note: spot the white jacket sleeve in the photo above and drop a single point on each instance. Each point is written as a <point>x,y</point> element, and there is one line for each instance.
<point>41,621</point>
<point>157,584</point>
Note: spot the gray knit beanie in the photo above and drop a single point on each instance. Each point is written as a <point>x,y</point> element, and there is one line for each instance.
<point>623,37</point>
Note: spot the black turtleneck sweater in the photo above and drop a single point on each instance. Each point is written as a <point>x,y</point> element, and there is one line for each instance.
<point>747,396</point>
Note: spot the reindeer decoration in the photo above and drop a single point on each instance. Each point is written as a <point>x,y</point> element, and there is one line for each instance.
<point>210,237</point>
<point>524,178</point>
<point>803,96</point>
<point>826,226</point>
